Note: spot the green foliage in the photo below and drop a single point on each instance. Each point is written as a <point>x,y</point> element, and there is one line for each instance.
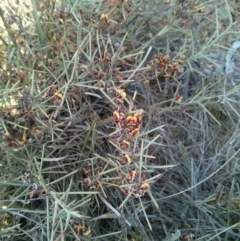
<point>118,120</point>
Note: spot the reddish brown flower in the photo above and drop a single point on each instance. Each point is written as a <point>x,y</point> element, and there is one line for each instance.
<point>116,116</point>
<point>132,120</point>
<point>134,132</point>
<point>144,187</point>
<point>58,96</point>
<point>127,159</point>
<point>104,17</point>
<point>124,145</point>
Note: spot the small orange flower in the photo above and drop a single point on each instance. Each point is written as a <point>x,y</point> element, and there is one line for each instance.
<point>179,98</point>
<point>13,144</point>
<point>199,9</point>
<point>82,229</point>
<point>20,39</point>
<point>131,120</point>
<point>121,93</point>
<point>139,116</point>
<point>124,145</point>
<point>132,176</point>
<point>134,132</point>
<point>104,17</point>
<point>119,117</point>
<point>116,116</point>
<point>127,159</point>
<point>167,76</point>
<point>142,190</point>
<point>147,82</point>
<point>58,96</point>
<point>144,187</point>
